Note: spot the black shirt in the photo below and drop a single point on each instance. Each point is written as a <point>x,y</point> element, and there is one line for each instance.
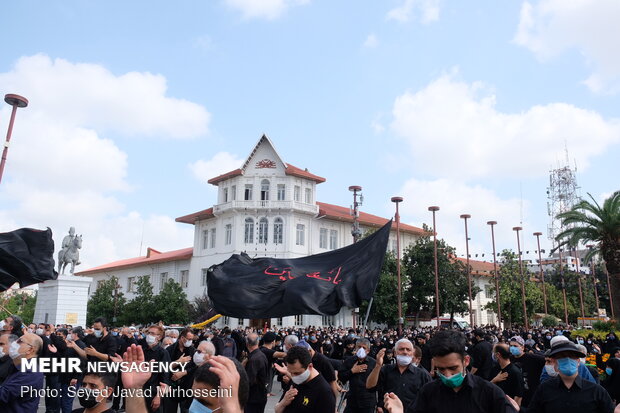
<point>323,366</point>
<point>268,352</point>
<point>358,395</point>
<point>314,396</point>
<point>105,345</point>
<point>406,385</point>
<point>81,410</point>
<point>475,396</point>
<point>531,366</point>
<point>583,397</point>
<point>513,385</point>
<point>483,362</point>
<point>257,370</point>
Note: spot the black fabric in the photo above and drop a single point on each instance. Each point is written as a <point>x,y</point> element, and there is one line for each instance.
<point>243,287</point>
<point>475,396</point>
<point>258,374</point>
<point>482,359</point>
<point>583,397</point>
<point>313,396</point>
<point>26,257</point>
<point>406,385</point>
<point>513,385</point>
<point>323,366</point>
<point>531,366</point>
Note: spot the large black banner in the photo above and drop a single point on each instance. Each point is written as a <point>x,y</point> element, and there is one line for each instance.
<point>243,287</point>
<point>26,257</point>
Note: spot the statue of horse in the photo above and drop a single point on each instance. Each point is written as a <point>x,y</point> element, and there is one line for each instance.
<point>70,255</point>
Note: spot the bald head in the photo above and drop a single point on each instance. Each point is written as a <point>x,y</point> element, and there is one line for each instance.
<point>252,341</point>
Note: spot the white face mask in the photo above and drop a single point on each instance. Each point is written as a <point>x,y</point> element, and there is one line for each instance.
<point>2,324</point>
<point>14,350</point>
<point>174,340</point>
<point>2,354</point>
<point>39,331</point>
<point>199,358</point>
<point>403,360</point>
<point>550,370</point>
<point>150,340</point>
<point>187,344</point>
<point>69,337</point>
<point>361,353</point>
<point>302,377</point>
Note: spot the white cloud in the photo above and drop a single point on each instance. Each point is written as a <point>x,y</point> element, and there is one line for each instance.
<point>86,94</point>
<point>551,27</point>
<point>454,130</point>
<point>371,41</point>
<point>220,163</point>
<point>428,11</point>
<point>263,9</point>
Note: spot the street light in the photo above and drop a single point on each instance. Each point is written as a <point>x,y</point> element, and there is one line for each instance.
<point>527,323</point>
<point>563,285</point>
<point>17,102</point>
<point>357,233</point>
<point>497,295</point>
<point>542,273</point>
<point>397,200</point>
<point>583,314</point>
<point>434,209</point>
<point>593,271</point>
<point>471,315</point>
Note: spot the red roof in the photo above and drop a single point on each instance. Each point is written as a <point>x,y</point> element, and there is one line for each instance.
<point>196,216</point>
<point>152,257</point>
<point>479,267</point>
<point>290,170</point>
<point>344,214</point>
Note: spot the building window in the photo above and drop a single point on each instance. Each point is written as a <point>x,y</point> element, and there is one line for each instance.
<point>228,239</point>
<point>184,278</point>
<point>263,230</point>
<point>327,320</point>
<point>323,238</point>
<point>233,192</point>
<point>212,238</point>
<point>264,190</point>
<point>205,238</point>
<point>226,321</point>
<point>301,234</point>
<point>131,283</point>
<point>203,276</point>
<point>249,231</point>
<point>299,320</point>
<point>248,192</point>
<point>240,321</point>
<point>297,194</point>
<point>488,293</point>
<point>279,321</point>
<point>225,194</point>
<point>308,192</point>
<point>163,279</point>
<point>333,239</point>
<point>281,192</point>
<point>278,230</point>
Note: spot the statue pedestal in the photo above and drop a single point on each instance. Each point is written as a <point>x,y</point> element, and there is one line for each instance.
<point>63,301</point>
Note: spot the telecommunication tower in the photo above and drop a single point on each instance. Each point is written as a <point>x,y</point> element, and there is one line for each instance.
<point>561,196</point>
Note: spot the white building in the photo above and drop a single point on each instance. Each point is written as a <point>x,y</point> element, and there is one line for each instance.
<point>265,208</point>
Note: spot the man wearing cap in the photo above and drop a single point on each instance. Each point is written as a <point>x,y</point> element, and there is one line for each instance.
<point>582,369</point>
<point>568,392</point>
<point>323,366</point>
<point>531,365</point>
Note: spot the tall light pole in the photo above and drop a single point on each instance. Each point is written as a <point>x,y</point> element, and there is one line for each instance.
<point>397,200</point>
<point>542,273</point>
<point>471,313</point>
<point>583,314</point>
<point>593,271</point>
<point>434,209</point>
<point>611,300</point>
<point>527,323</point>
<point>497,294</point>
<point>563,282</point>
<point>357,233</point>
<point>17,102</point>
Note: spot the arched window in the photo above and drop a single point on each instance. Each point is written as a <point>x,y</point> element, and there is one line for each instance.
<point>264,190</point>
<point>249,231</point>
<point>278,230</point>
<point>263,231</point>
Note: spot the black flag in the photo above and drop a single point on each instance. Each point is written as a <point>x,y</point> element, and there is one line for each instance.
<point>243,287</point>
<point>26,257</point>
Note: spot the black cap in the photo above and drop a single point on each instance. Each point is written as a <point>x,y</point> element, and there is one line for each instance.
<point>565,346</point>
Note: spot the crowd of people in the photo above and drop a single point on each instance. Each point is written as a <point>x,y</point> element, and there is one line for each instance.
<point>318,369</point>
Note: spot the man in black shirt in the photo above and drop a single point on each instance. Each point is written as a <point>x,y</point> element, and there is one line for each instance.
<point>310,392</point>
<point>154,351</point>
<point>101,345</point>
<point>457,390</point>
<point>568,392</point>
<point>531,366</point>
<point>183,352</point>
<point>96,390</point>
<point>356,370</point>
<point>481,353</point>
<point>323,366</point>
<point>256,366</point>
<point>426,352</point>
<point>506,375</point>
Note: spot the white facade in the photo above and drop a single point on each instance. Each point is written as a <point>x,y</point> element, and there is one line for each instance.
<point>266,208</point>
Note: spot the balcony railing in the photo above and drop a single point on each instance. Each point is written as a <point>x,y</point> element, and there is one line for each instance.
<point>273,205</point>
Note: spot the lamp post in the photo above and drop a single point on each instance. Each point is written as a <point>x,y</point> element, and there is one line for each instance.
<point>397,200</point>
<point>17,102</point>
<point>471,314</point>
<point>611,300</point>
<point>434,209</point>
<point>583,314</point>
<point>357,233</point>
<point>497,295</point>
<point>542,273</point>
<point>593,271</point>
<point>527,323</point>
<point>563,286</point>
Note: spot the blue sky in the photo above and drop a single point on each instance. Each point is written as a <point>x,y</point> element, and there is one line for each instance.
<point>466,105</point>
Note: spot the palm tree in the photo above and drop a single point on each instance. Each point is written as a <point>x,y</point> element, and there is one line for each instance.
<point>587,222</point>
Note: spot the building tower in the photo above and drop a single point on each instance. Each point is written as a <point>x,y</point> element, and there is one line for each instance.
<point>561,196</point>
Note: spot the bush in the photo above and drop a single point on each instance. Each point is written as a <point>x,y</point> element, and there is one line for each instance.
<point>549,321</point>
<point>604,326</point>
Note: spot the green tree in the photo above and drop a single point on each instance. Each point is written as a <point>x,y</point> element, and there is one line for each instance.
<point>21,305</point>
<point>171,304</point>
<point>200,307</point>
<point>141,309</point>
<point>107,301</point>
<point>588,222</point>
<point>385,304</point>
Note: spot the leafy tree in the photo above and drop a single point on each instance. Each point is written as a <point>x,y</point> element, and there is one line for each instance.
<point>107,301</point>
<point>588,222</point>
<point>171,305</point>
<point>385,304</point>
<point>200,307</point>
<point>141,309</point>
<point>21,305</point>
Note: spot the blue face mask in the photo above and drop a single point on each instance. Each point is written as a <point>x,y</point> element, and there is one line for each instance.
<point>197,407</point>
<point>580,341</point>
<point>515,351</point>
<point>609,370</point>
<point>567,366</point>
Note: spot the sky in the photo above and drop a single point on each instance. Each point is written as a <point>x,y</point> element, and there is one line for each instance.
<point>463,105</point>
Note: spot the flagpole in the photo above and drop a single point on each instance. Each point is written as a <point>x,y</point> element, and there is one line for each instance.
<point>397,200</point>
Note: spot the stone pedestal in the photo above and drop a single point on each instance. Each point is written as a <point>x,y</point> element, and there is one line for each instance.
<point>63,301</point>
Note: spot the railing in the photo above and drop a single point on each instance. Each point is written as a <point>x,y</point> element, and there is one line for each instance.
<point>260,204</point>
